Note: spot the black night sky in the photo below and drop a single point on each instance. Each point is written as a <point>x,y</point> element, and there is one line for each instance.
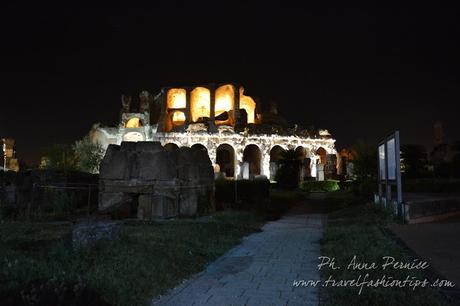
<point>358,71</point>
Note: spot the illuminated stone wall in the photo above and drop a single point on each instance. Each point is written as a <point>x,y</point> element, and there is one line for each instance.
<point>210,116</point>
<point>237,141</point>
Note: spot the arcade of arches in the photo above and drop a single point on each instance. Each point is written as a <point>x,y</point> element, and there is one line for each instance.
<point>228,125</point>
<point>251,160</point>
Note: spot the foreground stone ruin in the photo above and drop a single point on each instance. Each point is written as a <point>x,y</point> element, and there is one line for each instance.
<point>152,182</point>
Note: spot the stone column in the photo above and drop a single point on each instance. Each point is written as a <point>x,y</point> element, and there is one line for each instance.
<point>212,153</point>
<point>212,125</point>
<point>188,114</point>
<point>314,160</point>
<point>320,174</point>
<point>236,92</point>
<point>330,168</point>
<point>238,163</point>
<point>236,103</point>
<point>265,163</point>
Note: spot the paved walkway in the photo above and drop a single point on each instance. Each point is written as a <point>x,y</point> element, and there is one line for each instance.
<point>262,269</point>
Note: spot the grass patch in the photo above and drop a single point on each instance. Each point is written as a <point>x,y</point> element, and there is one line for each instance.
<point>148,259</point>
<point>355,230</point>
<point>320,186</point>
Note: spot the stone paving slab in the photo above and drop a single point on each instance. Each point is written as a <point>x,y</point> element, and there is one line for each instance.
<point>261,270</point>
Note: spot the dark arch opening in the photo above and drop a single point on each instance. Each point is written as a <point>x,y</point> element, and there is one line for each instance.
<point>225,158</point>
<point>305,170</point>
<point>276,153</point>
<point>322,155</point>
<point>253,156</point>
<point>200,147</point>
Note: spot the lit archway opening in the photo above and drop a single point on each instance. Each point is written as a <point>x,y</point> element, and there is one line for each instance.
<point>200,104</point>
<point>176,98</point>
<point>252,156</point>
<point>176,105</point>
<point>225,158</point>
<point>224,103</point>
<point>133,123</point>
<point>178,118</point>
<point>248,104</point>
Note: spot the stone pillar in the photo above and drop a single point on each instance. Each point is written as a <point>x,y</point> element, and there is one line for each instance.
<point>238,163</point>
<point>273,170</point>
<point>320,172</point>
<point>188,114</point>
<point>265,164</point>
<point>236,103</point>
<point>314,160</point>
<point>330,168</point>
<point>212,124</point>
<point>212,153</point>
<point>245,170</point>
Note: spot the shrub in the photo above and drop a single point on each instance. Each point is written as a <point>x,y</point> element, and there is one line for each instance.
<point>320,186</point>
<point>61,202</point>
<point>287,175</point>
<point>89,155</point>
<point>345,185</point>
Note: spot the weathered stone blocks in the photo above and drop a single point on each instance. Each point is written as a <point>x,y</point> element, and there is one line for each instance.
<point>164,184</point>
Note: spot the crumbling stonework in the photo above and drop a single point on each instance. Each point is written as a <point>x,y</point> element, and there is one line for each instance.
<point>230,126</point>
<point>9,162</point>
<point>156,182</point>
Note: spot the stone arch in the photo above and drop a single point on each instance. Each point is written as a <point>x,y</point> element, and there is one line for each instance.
<point>133,136</point>
<point>134,122</point>
<point>321,152</point>
<point>224,103</point>
<point>275,153</point>
<point>200,147</point>
<point>253,156</point>
<point>200,103</point>
<point>225,158</point>
<point>303,155</point>
<point>301,152</point>
<point>247,103</point>
<point>275,156</point>
<point>171,146</point>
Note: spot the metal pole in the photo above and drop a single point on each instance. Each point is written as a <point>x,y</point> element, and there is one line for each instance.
<point>387,183</point>
<point>398,176</point>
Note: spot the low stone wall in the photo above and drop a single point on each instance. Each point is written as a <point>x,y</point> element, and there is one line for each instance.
<point>422,208</point>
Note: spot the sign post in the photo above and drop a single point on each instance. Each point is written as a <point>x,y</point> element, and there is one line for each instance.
<point>389,174</point>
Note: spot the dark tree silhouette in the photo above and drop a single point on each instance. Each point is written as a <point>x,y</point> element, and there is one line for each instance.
<point>288,174</point>
<point>413,160</point>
